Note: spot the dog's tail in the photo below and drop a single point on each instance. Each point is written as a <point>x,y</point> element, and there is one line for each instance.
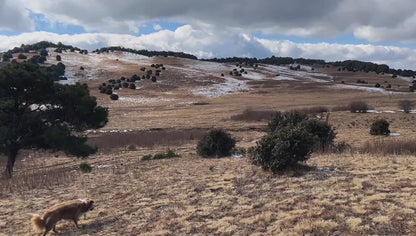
<point>38,223</point>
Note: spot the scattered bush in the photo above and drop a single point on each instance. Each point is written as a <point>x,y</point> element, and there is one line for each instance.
<point>114,96</point>
<point>380,127</point>
<point>217,143</point>
<point>406,105</point>
<point>85,167</point>
<point>377,85</point>
<point>358,106</point>
<point>109,91</point>
<point>132,86</point>
<point>283,148</point>
<point>58,57</point>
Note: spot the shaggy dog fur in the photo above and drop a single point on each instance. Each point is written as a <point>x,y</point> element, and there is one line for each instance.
<point>70,210</point>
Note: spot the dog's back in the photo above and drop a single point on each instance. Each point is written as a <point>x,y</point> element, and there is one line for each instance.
<point>70,210</point>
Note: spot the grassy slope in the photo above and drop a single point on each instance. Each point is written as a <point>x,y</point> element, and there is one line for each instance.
<point>189,195</point>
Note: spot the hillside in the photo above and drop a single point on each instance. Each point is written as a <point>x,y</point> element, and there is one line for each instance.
<point>349,193</point>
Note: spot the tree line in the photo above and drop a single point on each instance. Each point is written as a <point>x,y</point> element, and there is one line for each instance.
<point>146,52</point>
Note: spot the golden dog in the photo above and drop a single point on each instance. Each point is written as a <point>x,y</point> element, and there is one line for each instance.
<point>70,210</point>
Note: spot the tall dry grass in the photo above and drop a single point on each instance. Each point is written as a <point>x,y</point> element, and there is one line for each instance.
<point>390,146</point>
<point>261,115</point>
<point>145,138</point>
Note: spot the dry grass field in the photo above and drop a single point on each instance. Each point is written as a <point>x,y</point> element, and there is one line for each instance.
<point>351,193</point>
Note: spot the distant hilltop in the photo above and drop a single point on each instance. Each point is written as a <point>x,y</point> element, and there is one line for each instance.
<point>349,65</point>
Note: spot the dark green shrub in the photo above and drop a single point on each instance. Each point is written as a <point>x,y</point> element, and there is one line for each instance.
<point>85,167</point>
<point>21,56</point>
<point>114,96</point>
<point>217,143</point>
<point>377,85</point>
<point>109,91</point>
<point>283,148</point>
<point>58,57</point>
<point>282,119</point>
<point>153,78</point>
<point>323,132</point>
<point>358,106</point>
<point>132,86</point>
<point>380,127</point>
<point>147,158</point>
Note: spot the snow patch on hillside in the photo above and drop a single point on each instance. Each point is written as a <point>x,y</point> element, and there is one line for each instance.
<point>286,71</point>
<point>281,77</point>
<point>230,85</point>
<point>362,88</point>
<point>208,66</point>
<point>144,100</point>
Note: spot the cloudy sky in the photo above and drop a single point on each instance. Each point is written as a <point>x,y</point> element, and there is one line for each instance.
<point>381,31</point>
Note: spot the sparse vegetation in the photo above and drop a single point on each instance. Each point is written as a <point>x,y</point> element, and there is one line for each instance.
<point>406,105</point>
<point>159,156</point>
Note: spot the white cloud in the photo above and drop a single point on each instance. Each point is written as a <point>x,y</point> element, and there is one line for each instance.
<point>372,20</point>
<point>207,44</point>
<point>396,57</point>
<point>157,27</point>
<point>13,16</point>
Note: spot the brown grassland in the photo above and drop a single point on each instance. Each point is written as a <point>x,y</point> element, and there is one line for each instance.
<point>350,193</point>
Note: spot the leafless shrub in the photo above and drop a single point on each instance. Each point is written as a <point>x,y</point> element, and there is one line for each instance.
<point>358,106</point>
<point>340,108</point>
<point>314,110</point>
<point>253,115</point>
<point>396,146</point>
<point>406,105</point>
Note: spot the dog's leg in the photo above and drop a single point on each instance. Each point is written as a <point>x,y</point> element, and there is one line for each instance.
<point>76,222</point>
<point>54,228</point>
<point>46,230</point>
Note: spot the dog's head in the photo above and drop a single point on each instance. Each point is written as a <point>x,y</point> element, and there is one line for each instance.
<point>87,204</point>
